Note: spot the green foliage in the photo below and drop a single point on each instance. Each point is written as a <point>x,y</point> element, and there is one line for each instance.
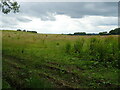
<point>67,61</point>
<point>115,31</point>
<point>92,48</point>
<point>78,46</point>
<point>68,48</point>
<point>35,82</point>
<point>7,6</point>
<point>79,33</point>
<point>5,84</point>
<point>101,50</point>
<point>103,33</point>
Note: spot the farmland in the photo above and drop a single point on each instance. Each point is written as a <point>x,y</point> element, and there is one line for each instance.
<point>33,60</point>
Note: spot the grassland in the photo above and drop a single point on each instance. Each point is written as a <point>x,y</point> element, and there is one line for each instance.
<point>59,61</point>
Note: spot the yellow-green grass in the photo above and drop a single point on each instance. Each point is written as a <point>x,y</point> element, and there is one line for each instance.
<point>59,61</point>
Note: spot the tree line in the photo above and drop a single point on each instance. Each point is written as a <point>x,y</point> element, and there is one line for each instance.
<point>115,31</point>
<point>27,31</point>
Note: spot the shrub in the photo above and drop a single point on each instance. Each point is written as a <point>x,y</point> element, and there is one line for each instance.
<point>68,48</point>
<point>78,46</point>
<point>93,54</point>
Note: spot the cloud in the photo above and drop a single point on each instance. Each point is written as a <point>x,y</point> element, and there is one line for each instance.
<point>73,9</point>
<point>66,24</point>
<point>12,20</point>
<point>68,0</point>
<point>67,17</point>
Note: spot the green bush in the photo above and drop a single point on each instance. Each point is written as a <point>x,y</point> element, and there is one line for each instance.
<point>78,45</point>
<point>68,48</point>
<point>103,50</point>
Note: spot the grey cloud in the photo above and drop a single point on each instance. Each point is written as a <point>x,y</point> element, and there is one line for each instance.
<point>73,9</point>
<point>13,19</point>
<point>9,21</point>
<point>22,19</point>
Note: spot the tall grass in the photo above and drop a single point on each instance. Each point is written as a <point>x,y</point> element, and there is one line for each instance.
<point>68,48</point>
<point>36,60</point>
<point>102,49</point>
<point>79,45</point>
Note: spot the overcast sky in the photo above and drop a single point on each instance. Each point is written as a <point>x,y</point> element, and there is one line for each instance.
<point>63,17</point>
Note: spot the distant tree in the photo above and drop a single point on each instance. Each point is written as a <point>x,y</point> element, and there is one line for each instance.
<point>19,30</point>
<point>69,34</point>
<point>32,31</point>
<point>92,34</point>
<point>79,33</point>
<point>103,33</point>
<point>115,31</point>
<point>24,30</point>
<point>6,6</point>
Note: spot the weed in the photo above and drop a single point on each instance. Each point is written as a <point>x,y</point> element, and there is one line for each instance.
<point>68,48</point>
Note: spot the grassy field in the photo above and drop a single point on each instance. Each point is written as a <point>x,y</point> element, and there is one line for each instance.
<point>59,61</point>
